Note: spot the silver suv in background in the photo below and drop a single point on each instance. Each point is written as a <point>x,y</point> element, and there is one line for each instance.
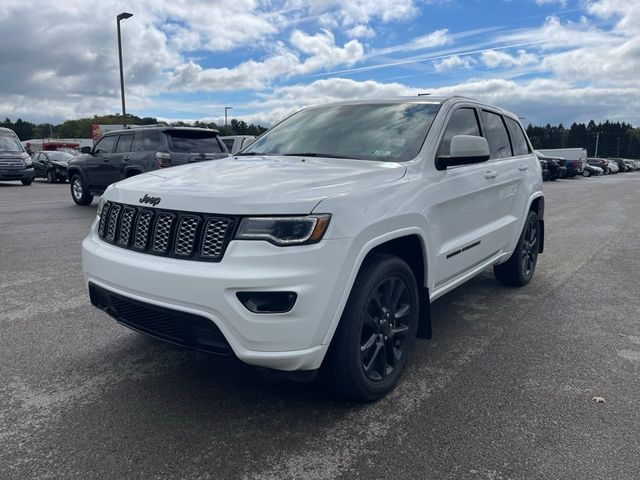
<point>15,163</point>
<point>235,143</point>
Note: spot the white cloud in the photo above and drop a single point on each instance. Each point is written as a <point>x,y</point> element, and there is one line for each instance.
<point>437,38</point>
<point>361,31</point>
<point>626,11</point>
<point>499,58</point>
<point>539,100</point>
<point>452,62</point>
<point>319,51</point>
<point>354,12</point>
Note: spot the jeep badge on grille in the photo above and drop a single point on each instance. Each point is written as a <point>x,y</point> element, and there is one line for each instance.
<point>150,200</point>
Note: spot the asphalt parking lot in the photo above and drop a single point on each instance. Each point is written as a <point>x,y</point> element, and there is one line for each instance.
<point>504,389</point>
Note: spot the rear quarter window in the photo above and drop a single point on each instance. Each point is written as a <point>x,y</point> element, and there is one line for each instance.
<point>193,141</point>
<point>147,141</point>
<point>518,139</point>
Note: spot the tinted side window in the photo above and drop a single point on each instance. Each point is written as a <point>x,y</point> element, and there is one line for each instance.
<point>463,122</point>
<point>106,144</point>
<point>147,140</point>
<point>520,145</point>
<point>228,142</point>
<point>124,143</point>
<point>496,134</point>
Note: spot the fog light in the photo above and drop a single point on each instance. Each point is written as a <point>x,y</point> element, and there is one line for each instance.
<point>267,302</point>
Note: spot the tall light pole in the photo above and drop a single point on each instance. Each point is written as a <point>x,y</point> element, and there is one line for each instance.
<point>597,134</point>
<point>122,16</point>
<point>225,114</point>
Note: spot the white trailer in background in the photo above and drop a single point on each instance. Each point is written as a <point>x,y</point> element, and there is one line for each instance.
<point>576,158</point>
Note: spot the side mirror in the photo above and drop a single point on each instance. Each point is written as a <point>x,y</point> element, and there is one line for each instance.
<point>85,150</point>
<point>464,150</point>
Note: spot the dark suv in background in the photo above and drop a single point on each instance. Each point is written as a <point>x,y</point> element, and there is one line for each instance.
<point>124,153</point>
<point>15,163</point>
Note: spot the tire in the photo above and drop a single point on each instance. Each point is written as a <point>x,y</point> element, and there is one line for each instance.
<point>51,176</point>
<point>79,191</point>
<point>27,182</point>
<point>371,345</point>
<point>519,269</point>
<point>586,173</point>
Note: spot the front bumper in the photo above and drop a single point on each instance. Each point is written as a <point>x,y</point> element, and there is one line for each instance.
<point>17,174</point>
<point>318,274</point>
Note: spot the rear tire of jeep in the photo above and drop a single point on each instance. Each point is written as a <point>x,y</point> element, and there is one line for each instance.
<point>79,191</point>
<point>371,345</point>
<point>519,269</point>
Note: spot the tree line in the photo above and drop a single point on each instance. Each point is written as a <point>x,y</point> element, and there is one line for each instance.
<point>81,128</point>
<point>614,139</point>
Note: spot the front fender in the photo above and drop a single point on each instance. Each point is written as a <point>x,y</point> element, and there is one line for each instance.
<point>363,250</point>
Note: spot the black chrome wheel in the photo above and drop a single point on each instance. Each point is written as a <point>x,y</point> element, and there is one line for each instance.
<point>530,248</point>
<point>385,328</point>
<point>371,345</point>
<point>518,270</point>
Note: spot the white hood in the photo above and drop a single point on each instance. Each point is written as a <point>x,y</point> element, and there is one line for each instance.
<point>254,185</point>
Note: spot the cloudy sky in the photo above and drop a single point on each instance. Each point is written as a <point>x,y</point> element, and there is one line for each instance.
<point>547,60</point>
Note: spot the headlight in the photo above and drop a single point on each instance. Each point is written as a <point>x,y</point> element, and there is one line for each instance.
<point>27,159</point>
<point>100,206</point>
<point>283,231</point>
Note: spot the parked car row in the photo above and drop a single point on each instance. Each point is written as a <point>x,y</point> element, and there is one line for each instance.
<point>117,155</point>
<point>554,166</point>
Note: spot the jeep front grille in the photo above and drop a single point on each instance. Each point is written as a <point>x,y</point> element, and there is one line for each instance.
<point>186,235</point>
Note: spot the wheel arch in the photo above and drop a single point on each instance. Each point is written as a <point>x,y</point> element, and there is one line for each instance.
<point>391,242</point>
<point>73,170</point>
<point>536,204</point>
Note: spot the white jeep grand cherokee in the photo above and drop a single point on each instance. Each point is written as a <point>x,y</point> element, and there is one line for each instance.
<point>320,247</point>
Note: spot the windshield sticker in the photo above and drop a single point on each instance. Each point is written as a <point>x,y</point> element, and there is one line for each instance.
<point>382,153</point>
<point>398,142</point>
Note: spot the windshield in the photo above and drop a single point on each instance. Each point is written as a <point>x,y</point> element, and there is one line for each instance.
<point>59,156</point>
<point>9,143</point>
<point>392,132</point>
<point>193,141</point>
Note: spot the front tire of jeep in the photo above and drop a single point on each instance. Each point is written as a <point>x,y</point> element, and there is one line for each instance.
<point>79,191</point>
<point>378,327</point>
<point>518,270</point>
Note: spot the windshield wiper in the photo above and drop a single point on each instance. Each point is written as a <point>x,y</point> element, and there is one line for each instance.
<point>315,154</point>
<point>245,154</point>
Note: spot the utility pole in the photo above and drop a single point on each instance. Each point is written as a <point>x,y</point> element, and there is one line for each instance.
<point>597,141</point>
<point>225,114</point>
<point>122,16</point>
